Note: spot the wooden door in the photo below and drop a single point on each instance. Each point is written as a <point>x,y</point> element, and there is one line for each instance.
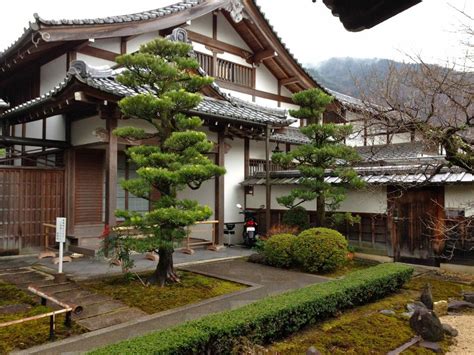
<point>415,216</point>
<point>29,197</point>
<point>89,192</point>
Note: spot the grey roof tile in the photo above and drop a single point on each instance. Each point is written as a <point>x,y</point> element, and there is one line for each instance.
<point>104,80</point>
<point>4,104</point>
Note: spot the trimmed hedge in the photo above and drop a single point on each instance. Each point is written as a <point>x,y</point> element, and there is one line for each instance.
<point>277,250</point>
<point>320,250</point>
<point>270,318</point>
<point>296,217</point>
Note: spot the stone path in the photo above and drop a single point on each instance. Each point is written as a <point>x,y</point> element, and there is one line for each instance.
<point>99,311</point>
<point>263,281</point>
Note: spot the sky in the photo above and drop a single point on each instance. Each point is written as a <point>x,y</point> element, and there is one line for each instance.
<point>312,33</point>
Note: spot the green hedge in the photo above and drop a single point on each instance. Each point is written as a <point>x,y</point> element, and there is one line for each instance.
<point>270,318</point>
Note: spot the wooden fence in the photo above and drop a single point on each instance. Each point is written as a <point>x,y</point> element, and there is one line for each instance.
<point>29,197</point>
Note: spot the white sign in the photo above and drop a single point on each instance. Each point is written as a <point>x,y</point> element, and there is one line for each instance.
<point>60,229</point>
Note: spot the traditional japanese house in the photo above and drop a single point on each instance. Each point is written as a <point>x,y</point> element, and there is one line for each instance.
<point>57,83</point>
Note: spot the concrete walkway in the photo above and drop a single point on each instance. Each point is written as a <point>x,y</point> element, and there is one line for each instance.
<point>263,281</point>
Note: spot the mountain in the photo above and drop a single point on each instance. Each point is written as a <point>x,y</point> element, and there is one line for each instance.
<point>349,75</point>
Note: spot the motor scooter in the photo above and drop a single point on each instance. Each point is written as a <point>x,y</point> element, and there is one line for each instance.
<point>250,231</point>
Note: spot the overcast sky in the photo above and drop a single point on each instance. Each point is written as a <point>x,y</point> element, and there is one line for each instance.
<point>308,29</point>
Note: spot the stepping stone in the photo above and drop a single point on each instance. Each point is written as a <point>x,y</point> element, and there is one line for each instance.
<point>96,309</point>
<point>14,308</point>
<point>55,288</point>
<point>113,318</point>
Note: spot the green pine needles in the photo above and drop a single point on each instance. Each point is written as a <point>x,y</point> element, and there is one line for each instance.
<point>162,74</point>
<point>326,154</point>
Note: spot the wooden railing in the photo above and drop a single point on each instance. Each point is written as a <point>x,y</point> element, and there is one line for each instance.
<point>259,166</point>
<point>226,70</point>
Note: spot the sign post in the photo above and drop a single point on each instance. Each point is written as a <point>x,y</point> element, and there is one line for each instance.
<point>61,239</point>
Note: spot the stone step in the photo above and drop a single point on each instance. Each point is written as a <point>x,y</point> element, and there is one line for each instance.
<point>83,250</point>
<point>112,318</point>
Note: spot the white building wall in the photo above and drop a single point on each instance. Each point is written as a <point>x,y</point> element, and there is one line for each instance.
<point>94,61</point>
<point>108,44</point>
<point>82,131</point>
<point>202,25</point>
<point>134,44</point>
<point>460,196</point>
<point>265,81</point>
<point>257,149</point>
<point>226,33</point>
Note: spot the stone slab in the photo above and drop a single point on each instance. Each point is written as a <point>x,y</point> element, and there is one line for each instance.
<point>109,319</point>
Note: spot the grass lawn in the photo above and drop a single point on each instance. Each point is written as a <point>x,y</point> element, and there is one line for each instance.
<point>152,299</point>
<point>364,330</point>
<point>22,336</point>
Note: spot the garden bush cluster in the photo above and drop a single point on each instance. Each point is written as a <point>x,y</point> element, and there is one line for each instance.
<point>271,318</point>
<point>313,250</point>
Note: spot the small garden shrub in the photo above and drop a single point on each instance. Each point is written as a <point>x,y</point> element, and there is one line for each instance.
<point>296,217</point>
<point>277,250</point>
<point>271,318</point>
<point>320,250</point>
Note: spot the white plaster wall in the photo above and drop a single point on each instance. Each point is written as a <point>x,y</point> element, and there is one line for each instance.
<point>93,61</point>
<point>202,25</point>
<point>109,44</point>
<point>285,92</point>
<point>356,201</point>
<point>199,47</point>
<point>265,81</point>
<point>52,73</point>
<point>234,193</point>
<point>56,128</point>
<point>460,196</point>
<point>134,44</point>
<point>372,200</point>
<point>227,34</point>
<point>133,122</point>
<point>34,129</point>
<point>234,58</point>
<point>266,102</point>
<point>82,130</point>
<point>400,138</point>
<point>257,149</point>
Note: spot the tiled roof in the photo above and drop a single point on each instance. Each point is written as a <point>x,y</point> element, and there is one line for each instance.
<point>4,104</point>
<point>139,16</point>
<point>290,135</point>
<point>104,80</point>
<point>397,151</point>
<point>348,101</point>
<point>397,174</point>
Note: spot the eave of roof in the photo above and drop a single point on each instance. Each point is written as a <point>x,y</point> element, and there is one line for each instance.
<point>104,80</point>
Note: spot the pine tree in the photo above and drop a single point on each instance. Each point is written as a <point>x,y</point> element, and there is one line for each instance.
<point>162,74</point>
<point>325,154</point>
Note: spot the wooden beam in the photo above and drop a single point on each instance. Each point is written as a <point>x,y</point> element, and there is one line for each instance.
<point>218,45</point>
<point>37,142</point>
<point>99,53</point>
<point>111,168</point>
<point>259,57</point>
<point>268,188</point>
<point>219,190</point>
<point>288,81</point>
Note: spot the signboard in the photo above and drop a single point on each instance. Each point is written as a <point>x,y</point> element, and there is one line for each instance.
<point>60,229</point>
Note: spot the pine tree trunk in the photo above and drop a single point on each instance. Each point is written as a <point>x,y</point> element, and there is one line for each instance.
<point>164,271</point>
<point>320,211</point>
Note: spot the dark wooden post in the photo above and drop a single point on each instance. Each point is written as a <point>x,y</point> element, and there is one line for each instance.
<point>268,188</point>
<point>111,172</point>
<point>219,191</point>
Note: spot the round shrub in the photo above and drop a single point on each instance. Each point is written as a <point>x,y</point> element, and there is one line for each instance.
<point>296,217</point>
<point>320,250</point>
<point>277,250</point>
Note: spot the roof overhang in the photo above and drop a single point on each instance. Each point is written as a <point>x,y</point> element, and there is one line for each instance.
<point>364,14</point>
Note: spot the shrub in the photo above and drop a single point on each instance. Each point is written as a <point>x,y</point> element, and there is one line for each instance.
<point>277,250</point>
<point>271,318</point>
<point>296,217</point>
<point>320,250</point>
<point>282,229</point>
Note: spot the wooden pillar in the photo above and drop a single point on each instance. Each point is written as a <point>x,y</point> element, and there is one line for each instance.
<point>268,188</point>
<point>246,167</point>
<point>110,168</point>
<point>70,189</point>
<point>219,191</point>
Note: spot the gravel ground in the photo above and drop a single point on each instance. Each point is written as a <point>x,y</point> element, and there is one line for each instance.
<point>464,323</point>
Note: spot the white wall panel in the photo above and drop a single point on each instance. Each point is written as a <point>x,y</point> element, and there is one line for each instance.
<point>460,197</point>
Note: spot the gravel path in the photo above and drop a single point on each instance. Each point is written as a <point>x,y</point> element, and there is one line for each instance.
<point>464,323</point>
